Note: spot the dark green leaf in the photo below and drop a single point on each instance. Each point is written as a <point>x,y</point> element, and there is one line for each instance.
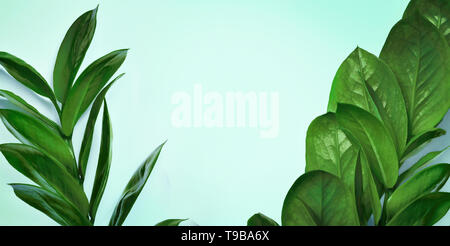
<point>87,86</point>
<point>104,163</point>
<point>46,173</point>
<point>319,198</point>
<point>170,222</point>
<point>260,219</point>
<point>368,132</point>
<point>134,188</point>
<point>419,56</point>
<point>32,131</point>
<point>367,82</point>
<point>435,11</point>
<point>50,204</point>
<point>72,51</point>
<point>89,130</point>
<point>420,140</point>
<point>425,211</point>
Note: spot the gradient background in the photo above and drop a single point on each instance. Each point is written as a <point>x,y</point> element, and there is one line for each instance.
<point>213,176</point>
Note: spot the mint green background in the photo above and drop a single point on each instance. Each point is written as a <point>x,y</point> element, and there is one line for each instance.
<point>213,176</point>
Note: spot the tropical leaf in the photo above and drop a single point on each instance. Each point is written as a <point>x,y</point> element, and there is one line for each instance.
<point>260,219</point>
<point>170,222</point>
<point>418,141</point>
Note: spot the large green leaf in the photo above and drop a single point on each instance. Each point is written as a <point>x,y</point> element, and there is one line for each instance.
<point>17,103</point>
<point>32,131</point>
<point>319,198</point>
<point>87,86</point>
<point>170,222</point>
<point>89,130</point>
<point>50,204</point>
<point>425,211</point>
<point>420,140</point>
<point>104,164</point>
<point>369,133</point>
<point>26,75</point>
<point>46,173</point>
<point>435,11</point>
<point>260,219</point>
<point>425,181</point>
<point>367,82</point>
<point>72,51</point>
<point>134,188</point>
<point>419,57</point>
<point>424,160</point>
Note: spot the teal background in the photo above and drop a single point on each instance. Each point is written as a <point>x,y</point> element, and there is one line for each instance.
<point>213,176</point>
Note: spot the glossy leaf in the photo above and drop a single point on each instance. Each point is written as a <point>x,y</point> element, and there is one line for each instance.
<point>319,198</point>
<point>87,86</point>
<point>420,140</point>
<point>89,130</point>
<point>134,188</point>
<point>425,160</point>
<point>104,163</point>
<point>435,11</point>
<point>260,219</point>
<point>368,132</point>
<point>26,75</point>
<point>34,132</point>
<point>419,57</point>
<point>425,211</point>
<point>367,82</point>
<point>50,204</point>
<point>170,222</point>
<point>46,173</point>
<point>72,51</point>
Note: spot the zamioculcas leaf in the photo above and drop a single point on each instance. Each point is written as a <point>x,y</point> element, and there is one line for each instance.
<point>425,211</point>
<point>104,163</point>
<point>420,163</point>
<point>419,57</point>
<point>50,204</point>
<point>46,173</point>
<point>425,181</point>
<point>420,140</point>
<point>170,222</point>
<point>21,105</point>
<point>134,188</point>
<point>26,75</point>
<point>87,86</point>
<point>368,132</point>
<point>72,51</point>
<point>32,131</point>
<point>260,219</point>
<point>89,131</point>
<point>319,198</point>
<point>367,82</point>
<point>435,11</point>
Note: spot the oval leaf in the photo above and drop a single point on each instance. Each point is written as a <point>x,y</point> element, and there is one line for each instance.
<point>260,219</point>
<point>170,222</point>
<point>420,140</point>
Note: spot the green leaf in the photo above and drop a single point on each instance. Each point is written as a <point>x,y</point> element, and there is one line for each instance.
<point>89,130</point>
<point>72,51</point>
<point>50,204</point>
<point>419,57</point>
<point>425,211</point>
<point>418,141</point>
<point>134,188</point>
<point>104,164</point>
<point>367,82</point>
<point>425,160</point>
<point>260,219</point>
<point>17,103</point>
<point>170,222</point>
<point>26,75</point>
<point>369,133</point>
<point>435,11</point>
<point>46,173</point>
<point>319,198</point>
<point>425,181</point>
<point>87,86</point>
<point>32,131</point>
